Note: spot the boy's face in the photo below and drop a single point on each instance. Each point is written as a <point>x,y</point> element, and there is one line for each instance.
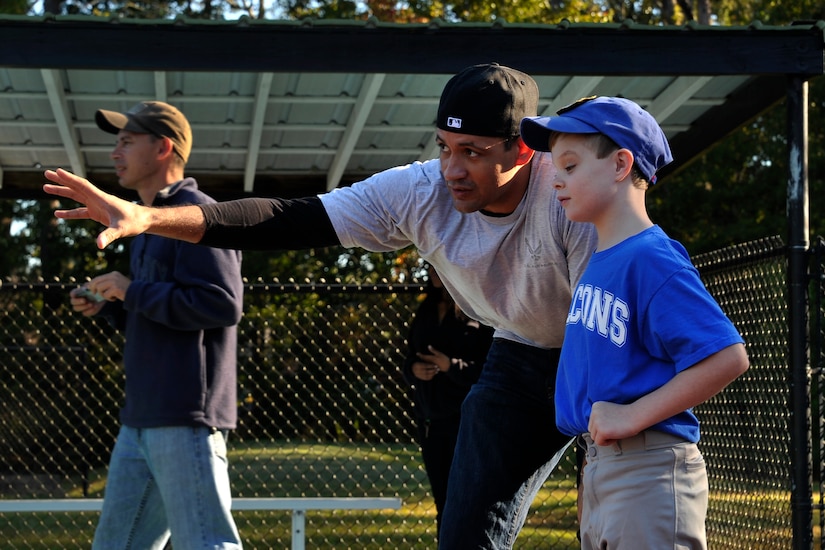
<point>585,184</point>
<point>481,172</point>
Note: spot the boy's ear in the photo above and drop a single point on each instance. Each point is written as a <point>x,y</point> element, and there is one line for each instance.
<point>624,164</point>
<point>525,154</point>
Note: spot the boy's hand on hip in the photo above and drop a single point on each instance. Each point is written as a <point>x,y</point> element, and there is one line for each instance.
<point>610,422</point>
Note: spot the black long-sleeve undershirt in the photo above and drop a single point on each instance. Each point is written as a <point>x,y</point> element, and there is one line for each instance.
<point>268,224</point>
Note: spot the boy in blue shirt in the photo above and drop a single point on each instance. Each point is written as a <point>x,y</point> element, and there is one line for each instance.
<point>644,341</point>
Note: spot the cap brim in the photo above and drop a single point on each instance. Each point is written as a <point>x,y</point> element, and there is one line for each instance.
<point>535,131</point>
<point>110,121</point>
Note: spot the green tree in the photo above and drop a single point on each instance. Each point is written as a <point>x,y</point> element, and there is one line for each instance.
<point>15,7</point>
<point>332,264</point>
<point>158,9</point>
<point>769,12</point>
<point>42,247</point>
<point>736,192</point>
<point>13,259</point>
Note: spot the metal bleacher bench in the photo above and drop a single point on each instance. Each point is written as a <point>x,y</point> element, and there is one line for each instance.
<point>298,506</point>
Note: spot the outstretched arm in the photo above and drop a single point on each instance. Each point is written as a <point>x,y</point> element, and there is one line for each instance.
<point>123,218</point>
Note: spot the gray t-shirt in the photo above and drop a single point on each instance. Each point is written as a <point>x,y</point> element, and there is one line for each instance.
<point>513,273</point>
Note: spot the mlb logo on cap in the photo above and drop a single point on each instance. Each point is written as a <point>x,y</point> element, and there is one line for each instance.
<point>487,100</point>
<point>453,122</point>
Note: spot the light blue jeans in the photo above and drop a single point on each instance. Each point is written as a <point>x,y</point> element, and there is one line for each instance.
<point>167,481</point>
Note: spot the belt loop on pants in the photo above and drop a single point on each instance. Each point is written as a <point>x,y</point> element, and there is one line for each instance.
<point>643,441</point>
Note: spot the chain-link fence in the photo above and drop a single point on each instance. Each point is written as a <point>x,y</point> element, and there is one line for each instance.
<point>817,364</point>
<point>745,432</point>
<point>324,411</point>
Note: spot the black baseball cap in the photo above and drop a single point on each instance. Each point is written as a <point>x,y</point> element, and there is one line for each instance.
<point>150,117</point>
<point>487,100</point>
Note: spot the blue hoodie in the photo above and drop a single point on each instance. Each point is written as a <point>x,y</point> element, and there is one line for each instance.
<point>180,319</point>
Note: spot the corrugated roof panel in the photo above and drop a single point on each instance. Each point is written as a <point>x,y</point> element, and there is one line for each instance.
<point>713,93</point>
<point>298,125</point>
<point>197,84</point>
<point>37,110</point>
<point>370,162</point>
<point>127,87</point>
<point>15,81</point>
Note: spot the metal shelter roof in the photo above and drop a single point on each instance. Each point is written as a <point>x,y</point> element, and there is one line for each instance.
<point>284,108</point>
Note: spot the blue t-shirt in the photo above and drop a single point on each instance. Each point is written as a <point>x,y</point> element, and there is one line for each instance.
<point>640,315</point>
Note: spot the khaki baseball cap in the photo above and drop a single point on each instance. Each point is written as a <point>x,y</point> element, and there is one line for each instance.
<point>150,117</point>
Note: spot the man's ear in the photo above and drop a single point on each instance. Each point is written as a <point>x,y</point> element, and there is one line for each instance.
<point>624,164</point>
<point>166,147</point>
<point>525,154</point>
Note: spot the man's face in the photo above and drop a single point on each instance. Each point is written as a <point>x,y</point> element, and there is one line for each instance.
<point>481,172</point>
<point>135,158</point>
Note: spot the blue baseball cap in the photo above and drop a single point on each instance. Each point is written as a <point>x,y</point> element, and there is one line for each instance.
<point>622,120</point>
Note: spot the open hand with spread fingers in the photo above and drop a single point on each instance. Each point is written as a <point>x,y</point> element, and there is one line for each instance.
<point>122,218</point>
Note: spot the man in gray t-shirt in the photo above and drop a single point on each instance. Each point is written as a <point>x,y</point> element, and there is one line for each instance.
<point>486,216</point>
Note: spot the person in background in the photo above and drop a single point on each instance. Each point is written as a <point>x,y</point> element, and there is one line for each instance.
<point>645,341</point>
<point>179,308</point>
<point>486,217</point>
<point>445,353</point>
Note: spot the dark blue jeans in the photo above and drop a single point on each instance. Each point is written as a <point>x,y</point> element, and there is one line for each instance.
<point>505,447</point>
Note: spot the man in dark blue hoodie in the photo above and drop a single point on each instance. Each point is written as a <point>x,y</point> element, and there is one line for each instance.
<point>179,308</point>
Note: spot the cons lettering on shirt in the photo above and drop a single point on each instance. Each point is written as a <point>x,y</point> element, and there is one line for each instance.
<point>600,312</point>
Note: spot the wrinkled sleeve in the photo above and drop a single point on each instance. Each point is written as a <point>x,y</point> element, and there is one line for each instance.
<point>204,292</point>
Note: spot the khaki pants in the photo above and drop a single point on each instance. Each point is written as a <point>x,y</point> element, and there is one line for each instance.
<point>646,492</point>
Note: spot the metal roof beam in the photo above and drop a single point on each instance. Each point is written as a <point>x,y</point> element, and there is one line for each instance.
<point>675,95</point>
<point>366,98</point>
<point>577,88</point>
<point>60,109</point>
<point>161,94</point>
<point>258,117</point>
<point>335,46</point>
